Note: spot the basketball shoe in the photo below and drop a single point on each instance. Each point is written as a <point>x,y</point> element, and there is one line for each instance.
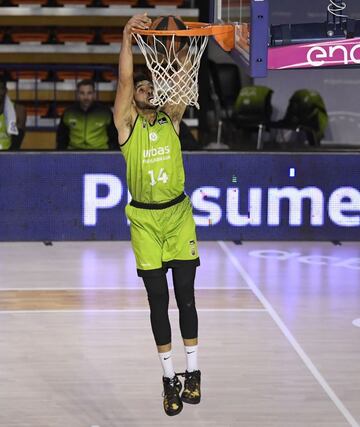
<point>172,402</point>
<point>192,392</point>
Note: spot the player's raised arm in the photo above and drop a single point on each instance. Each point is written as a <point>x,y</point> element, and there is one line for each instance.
<point>175,112</point>
<point>124,110</point>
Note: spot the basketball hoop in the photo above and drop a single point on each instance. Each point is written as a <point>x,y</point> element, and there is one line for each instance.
<point>175,72</point>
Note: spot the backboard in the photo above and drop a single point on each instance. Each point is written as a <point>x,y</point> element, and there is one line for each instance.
<point>251,20</point>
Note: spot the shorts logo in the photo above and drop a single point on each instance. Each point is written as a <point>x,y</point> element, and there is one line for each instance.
<point>192,247</point>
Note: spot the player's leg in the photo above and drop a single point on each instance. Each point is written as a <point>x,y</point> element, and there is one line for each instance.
<point>148,254</point>
<point>184,278</point>
<point>181,247</point>
<point>158,297</point>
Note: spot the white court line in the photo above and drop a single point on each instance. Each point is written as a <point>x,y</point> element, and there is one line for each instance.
<point>197,288</point>
<point>135,310</point>
<point>71,289</point>
<point>304,357</point>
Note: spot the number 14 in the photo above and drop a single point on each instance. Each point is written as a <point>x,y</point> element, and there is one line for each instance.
<point>162,177</point>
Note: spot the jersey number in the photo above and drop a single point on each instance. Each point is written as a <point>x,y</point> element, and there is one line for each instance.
<point>162,177</point>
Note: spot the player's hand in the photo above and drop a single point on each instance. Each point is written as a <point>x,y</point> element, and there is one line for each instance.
<point>183,58</point>
<point>138,22</point>
<point>183,53</point>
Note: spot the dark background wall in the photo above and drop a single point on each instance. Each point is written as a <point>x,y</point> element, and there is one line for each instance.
<point>295,11</point>
<point>340,88</point>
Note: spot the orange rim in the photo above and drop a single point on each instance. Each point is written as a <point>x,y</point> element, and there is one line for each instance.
<point>224,34</point>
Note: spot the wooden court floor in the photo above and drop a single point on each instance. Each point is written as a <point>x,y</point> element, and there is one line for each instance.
<point>279,337</point>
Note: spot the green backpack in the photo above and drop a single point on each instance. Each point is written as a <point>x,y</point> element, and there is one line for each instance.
<point>254,103</point>
<point>307,110</point>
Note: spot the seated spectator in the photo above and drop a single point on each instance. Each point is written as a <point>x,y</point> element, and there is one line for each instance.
<point>12,121</point>
<point>87,125</point>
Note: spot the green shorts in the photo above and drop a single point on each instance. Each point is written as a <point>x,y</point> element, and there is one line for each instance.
<point>162,238</point>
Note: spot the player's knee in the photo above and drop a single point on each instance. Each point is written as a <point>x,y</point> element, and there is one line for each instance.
<point>190,303</point>
<point>185,299</point>
<point>157,292</point>
<point>158,303</point>
<point>185,296</point>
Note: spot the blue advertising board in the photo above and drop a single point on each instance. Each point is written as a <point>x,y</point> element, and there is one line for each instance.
<point>236,196</point>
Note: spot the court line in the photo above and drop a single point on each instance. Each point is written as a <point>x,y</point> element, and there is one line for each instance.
<point>135,310</point>
<point>291,339</point>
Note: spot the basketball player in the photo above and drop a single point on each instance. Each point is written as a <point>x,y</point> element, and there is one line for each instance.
<point>162,225</point>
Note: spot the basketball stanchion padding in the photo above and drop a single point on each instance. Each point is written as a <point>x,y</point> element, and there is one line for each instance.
<point>173,56</point>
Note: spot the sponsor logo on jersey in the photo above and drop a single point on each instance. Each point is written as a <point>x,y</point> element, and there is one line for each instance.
<point>153,152</point>
<point>153,136</point>
<point>162,121</point>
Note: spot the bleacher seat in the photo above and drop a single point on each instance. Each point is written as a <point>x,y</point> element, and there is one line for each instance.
<point>111,35</point>
<point>74,2</point>
<point>29,34</point>
<point>119,2</point>
<point>28,2</point>
<point>165,2</point>
<point>74,75</point>
<point>110,76</point>
<point>59,109</point>
<point>74,35</point>
<point>34,110</point>
<point>29,74</point>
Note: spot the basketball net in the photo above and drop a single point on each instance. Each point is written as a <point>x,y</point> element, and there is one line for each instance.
<point>174,74</point>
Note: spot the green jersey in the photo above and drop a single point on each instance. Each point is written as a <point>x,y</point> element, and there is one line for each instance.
<point>155,171</point>
<point>5,138</point>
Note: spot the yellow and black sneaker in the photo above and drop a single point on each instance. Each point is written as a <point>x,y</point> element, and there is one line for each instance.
<point>172,402</point>
<point>192,392</point>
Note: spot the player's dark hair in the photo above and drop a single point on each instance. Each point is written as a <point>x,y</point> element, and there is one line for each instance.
<point>139,77</point>
<point>85,82</point>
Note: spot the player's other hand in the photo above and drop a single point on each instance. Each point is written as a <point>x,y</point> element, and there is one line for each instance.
<point>138,22</point>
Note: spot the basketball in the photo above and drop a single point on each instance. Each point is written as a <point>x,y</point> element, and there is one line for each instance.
<point>163,43</point>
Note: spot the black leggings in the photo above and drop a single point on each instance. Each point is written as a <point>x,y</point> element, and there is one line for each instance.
<point>158,296</point>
